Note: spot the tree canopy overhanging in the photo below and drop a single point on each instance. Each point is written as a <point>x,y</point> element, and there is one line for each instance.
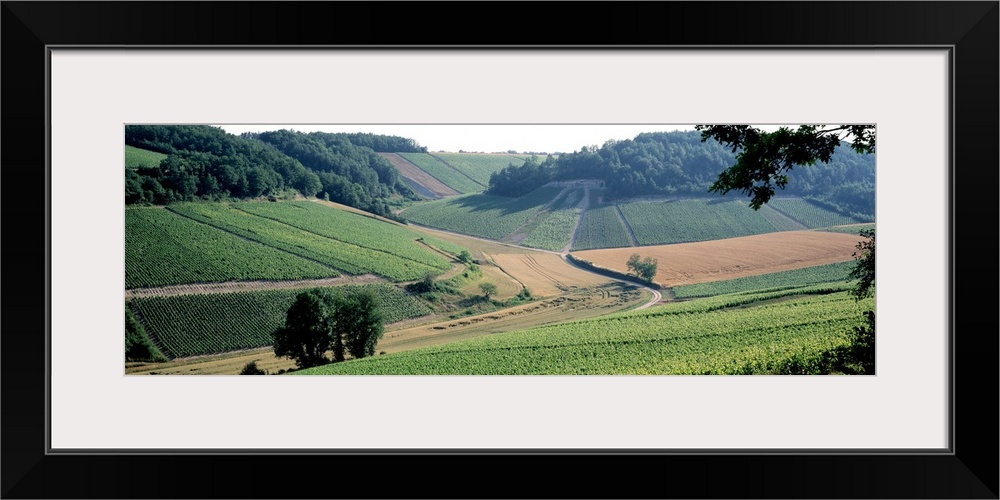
<point>764,158</point>
<point>762,162</point>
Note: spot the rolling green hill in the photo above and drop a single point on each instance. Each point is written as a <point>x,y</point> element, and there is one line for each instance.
<point>217,242</point>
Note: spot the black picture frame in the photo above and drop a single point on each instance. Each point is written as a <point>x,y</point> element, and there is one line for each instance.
<point>969,471</point>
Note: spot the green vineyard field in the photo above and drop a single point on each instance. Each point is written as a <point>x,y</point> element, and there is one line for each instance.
<point>483,215</point>
<point>192,325</point>
<point>838,272</point>
<point>444,173</point>
<point>347,257</point>
<point>480,166</point>
<point>601,228</point>
<point>708,336</point>
<point>163,248</point>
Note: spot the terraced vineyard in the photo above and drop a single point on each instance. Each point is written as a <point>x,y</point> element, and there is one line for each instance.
<point>480,166</point>
<point>164,248</point>
<point>601,228</point>
<point>192,325</point>
<point>347,257</point>
<point>830,273</point>
<point>680,221</point>
<point>445,173</point>
<point>811,215</point>
<point>482,215</point>
<point>707,336</point>
<point>137,157</point>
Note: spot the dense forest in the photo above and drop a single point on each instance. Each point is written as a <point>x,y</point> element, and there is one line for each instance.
<point>206,163</point>
<point>679,163</point>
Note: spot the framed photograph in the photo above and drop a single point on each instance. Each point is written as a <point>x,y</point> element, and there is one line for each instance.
<point>79,74</point>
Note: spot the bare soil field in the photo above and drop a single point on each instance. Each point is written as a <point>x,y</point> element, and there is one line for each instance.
<point>415,174</point>
<point>702,262</point>
<point>546,274</point>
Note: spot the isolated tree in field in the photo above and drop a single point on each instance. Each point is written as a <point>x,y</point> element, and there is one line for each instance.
<point>764,158</point>
<point>644,269</point>
<point>465,257</point>
<point>358,321</point>
<point>307,332</point>
<point>488,289</point>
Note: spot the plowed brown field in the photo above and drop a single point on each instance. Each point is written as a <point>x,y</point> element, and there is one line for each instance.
<point>546,274</point>
<point>688,263</point>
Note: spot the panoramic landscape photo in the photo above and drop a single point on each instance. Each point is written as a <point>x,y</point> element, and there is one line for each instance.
<point>499,249</point>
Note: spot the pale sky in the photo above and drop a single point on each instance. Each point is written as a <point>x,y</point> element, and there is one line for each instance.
<point>486,138</point>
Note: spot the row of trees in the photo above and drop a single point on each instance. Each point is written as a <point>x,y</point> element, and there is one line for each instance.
<point>681,163</point>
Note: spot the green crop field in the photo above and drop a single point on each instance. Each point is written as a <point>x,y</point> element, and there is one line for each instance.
<point>480,166</point>
<point>483,215</point>
<point>734,334</point>
<point>552,229</point>
<point>348,227</point>
<point>809,214</point>
<point>681,221</point>
<point>191,325</point>
<point>347,257</point>
<point>601,228</point>
<point>445,173</point>
<point>780,221</point>
<point>163,248</point>
<point>838,272</point>
<point>136,157</point>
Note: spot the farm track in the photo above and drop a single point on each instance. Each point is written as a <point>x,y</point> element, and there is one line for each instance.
<point>583,207</point>
<point>247,286</point>
<point>656,295</point>
<point>628,227</point>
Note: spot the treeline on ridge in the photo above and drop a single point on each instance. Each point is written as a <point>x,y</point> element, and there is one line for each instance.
<point>207,163</point>
<point>679,163</point>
